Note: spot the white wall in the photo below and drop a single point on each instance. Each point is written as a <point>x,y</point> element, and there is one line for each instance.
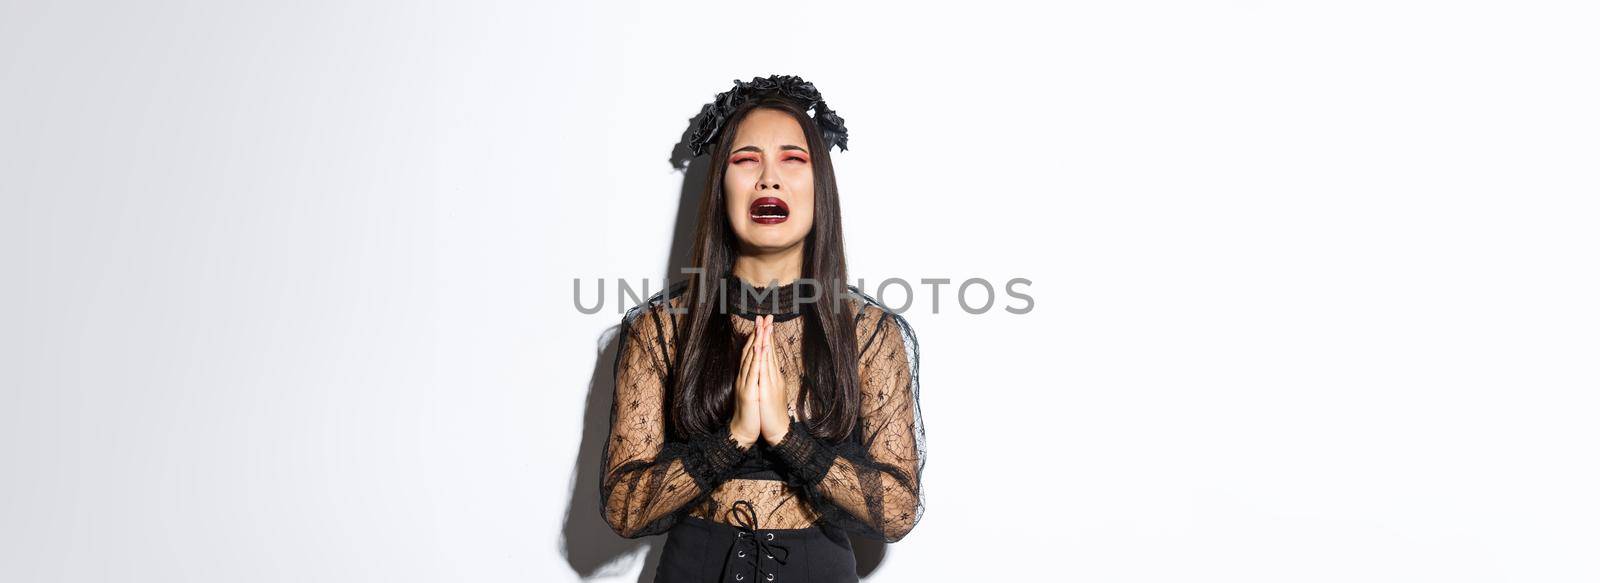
<point>288,285</point>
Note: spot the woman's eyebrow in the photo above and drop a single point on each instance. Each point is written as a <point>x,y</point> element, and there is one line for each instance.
<point>783,147</point>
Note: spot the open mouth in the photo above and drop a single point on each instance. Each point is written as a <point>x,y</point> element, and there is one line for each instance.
<point>769,210</point>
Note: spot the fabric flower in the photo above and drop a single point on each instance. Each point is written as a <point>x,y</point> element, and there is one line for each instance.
<point>714,116</point>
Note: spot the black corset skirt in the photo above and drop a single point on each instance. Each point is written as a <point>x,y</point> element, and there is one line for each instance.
<point>702,551</point>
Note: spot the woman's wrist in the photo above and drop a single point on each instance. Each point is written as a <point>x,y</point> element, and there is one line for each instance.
<point>777,434</point>
<point>712,458</point>
<point>744,442</point>
<point>806,456</point>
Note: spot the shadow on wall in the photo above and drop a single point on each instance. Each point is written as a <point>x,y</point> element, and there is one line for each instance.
<point>588,543</point>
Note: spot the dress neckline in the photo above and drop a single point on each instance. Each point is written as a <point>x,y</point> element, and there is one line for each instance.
<point>748,301</point>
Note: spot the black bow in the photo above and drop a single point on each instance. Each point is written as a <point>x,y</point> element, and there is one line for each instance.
<point>752,544</point>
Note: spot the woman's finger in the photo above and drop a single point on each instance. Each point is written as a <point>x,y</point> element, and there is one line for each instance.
<point>762,354</point>
<point>761,333</point>
<point>772,374</point>
<point>756,366</point>
<point>747,363</point>
<point>749,346</point>
<point>767,335</point>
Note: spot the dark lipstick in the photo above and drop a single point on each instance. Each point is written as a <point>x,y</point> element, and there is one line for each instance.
<point>769,210</point>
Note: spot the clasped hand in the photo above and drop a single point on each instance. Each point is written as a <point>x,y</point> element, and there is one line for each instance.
<point>761,410</point>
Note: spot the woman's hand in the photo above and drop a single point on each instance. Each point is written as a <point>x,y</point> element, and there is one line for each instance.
<point>774,393</point>
<point>746,424</point>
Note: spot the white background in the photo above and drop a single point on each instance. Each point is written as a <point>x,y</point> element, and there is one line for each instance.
<point>288,285</point>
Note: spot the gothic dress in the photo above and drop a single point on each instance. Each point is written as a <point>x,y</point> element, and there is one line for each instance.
<point>772,512</point>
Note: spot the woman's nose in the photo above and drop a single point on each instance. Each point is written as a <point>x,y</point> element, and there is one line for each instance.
<point>769,179</point>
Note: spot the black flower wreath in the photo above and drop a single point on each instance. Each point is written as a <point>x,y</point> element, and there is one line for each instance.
<point>715,114</point>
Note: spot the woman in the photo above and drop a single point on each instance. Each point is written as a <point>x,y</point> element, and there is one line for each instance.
<point>766,408</point>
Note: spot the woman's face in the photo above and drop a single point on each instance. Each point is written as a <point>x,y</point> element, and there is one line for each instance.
<point>767,185</point>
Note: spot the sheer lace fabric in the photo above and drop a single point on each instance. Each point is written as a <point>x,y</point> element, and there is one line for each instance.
<point>869,483</point>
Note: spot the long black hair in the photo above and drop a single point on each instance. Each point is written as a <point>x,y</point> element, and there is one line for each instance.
<point>708,352</point>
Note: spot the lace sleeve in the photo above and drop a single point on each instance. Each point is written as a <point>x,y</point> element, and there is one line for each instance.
<point>873,487</point>
<point>649,479</point>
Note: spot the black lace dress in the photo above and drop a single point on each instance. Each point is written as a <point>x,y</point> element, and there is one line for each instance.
<point>731,510</point>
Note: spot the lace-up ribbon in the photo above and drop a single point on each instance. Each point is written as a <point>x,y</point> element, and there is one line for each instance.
<point>751,545</point>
